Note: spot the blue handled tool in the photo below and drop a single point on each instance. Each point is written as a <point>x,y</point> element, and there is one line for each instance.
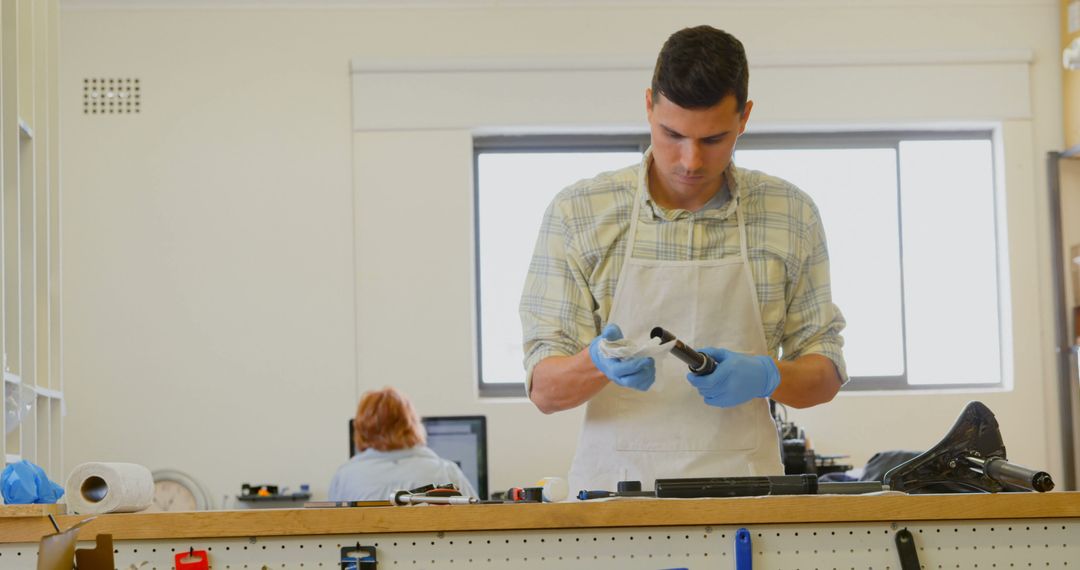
<point>358,558</point>
<point>743,553</point>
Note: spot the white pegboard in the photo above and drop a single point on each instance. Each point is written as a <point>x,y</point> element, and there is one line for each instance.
<point>1053,543</point>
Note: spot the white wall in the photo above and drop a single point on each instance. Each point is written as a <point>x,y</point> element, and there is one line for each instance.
<point>219,320</point>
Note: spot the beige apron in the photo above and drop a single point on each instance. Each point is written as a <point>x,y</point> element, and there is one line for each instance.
<point>669,431</point>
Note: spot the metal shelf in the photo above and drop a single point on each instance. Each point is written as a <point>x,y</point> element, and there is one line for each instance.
<point>33,411</point>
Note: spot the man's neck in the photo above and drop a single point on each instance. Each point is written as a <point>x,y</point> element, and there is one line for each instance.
<point>665,198</point>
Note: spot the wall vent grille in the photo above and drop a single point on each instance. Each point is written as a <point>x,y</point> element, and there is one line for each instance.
<point>110,96</point>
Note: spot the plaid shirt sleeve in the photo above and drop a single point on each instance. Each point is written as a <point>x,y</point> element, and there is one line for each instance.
<point>813,322</point>
<point>556,309</point>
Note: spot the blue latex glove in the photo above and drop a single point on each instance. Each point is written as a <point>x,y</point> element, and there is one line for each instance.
<point>24,483</point>
<point>636,373</point>
<point>738,378</point>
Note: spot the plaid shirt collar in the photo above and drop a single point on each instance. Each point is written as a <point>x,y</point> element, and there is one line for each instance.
<point>721,206</point>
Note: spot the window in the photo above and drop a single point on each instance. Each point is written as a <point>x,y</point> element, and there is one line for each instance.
<point>910,220</point>
<point>516,179</point>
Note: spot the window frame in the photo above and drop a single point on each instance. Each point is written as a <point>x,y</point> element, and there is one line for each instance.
<point>885,139</point>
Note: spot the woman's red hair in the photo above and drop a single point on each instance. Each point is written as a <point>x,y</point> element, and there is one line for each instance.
<point>386,420</point>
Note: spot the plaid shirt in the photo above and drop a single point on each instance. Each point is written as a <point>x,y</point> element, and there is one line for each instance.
<point>582,243</point>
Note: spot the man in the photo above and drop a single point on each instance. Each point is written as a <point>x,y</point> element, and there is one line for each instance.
<point>731,261</point>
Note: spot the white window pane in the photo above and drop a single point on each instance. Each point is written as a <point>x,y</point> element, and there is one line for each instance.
<point>514,189</point>
<point>855,192</point>
<point>946,303</point>
<point>950,266</point>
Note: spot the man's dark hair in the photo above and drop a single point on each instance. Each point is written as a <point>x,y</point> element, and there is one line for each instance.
<point>697,67</point>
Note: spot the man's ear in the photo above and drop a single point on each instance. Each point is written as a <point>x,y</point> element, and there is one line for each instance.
<point>745,116</point>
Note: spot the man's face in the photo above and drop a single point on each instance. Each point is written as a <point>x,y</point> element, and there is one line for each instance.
<point>691,148</point>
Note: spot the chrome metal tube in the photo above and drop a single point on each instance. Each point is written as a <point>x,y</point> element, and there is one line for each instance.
<point>1002,471</point>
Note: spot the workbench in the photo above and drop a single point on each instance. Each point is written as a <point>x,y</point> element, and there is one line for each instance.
<point>1006,530</point>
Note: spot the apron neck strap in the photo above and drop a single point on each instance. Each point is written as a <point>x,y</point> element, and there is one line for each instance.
<point>742,227</point>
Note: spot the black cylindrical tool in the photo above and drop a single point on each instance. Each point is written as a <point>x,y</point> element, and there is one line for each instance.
<point>699,362</point>
<point>1000,470</point>
<point>737,486</point>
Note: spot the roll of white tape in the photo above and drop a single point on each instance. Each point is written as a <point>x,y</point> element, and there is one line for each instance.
<point>555,489</point>
<point>109,488</point>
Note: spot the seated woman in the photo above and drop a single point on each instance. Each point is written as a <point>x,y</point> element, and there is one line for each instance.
<point>391,455</point>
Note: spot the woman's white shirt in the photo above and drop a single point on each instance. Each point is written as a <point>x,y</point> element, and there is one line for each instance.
<point>373,475</point>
